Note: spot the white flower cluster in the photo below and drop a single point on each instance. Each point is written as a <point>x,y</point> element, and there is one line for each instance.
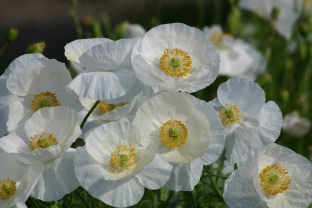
<point>140,126</point>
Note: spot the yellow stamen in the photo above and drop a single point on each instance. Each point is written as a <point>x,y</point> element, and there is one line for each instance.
<point>274,179</point>
<point>7,188</point>
<point>230,114</point>
<point>175,62</point>
<point>173,133</point>
<point>43,140</point>
<point>105,108</point>
<point>123,157</point>
<point>44,99</point>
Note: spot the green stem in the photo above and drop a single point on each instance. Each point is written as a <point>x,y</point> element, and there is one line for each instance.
<point>189,199</point>
<point>216,188</point>
<point>31,203</point>
<point>88,114</point>
<point>4,47</point>
<point>214,175</point>
<point>201,13</point>
<point>168,199</point>
<point>75,19</point>
<point>82,198</point>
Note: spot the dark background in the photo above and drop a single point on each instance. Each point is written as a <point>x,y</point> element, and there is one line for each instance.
<point>50,20</point>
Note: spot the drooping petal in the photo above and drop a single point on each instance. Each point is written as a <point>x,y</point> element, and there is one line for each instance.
<point>185,176</point>
<point>57,179</point>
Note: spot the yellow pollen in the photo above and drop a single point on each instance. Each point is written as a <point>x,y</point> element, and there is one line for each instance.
<point>230,114</point>
<point>7,188</point>
<point>274,179</point>
<point>43,140</point>
<point>173,133</point>
<point>44,99</point>
<point>105,108</point>
<point>123,157</point>
<point>175,62</point>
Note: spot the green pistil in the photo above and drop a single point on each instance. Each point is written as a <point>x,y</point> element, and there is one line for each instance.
<point>45,103</point>
<point>274,178</point>
<point>43,143</point>
<point>175,62</point>
<point>173,132</point>
<point>7,188</point>
<point>229,114</point>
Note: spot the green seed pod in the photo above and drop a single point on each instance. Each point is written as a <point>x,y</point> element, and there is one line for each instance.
<point>11,34</point>
<point>36,47</point>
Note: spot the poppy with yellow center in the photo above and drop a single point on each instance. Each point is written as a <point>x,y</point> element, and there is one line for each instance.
<point>43,140</point>
<point>175,62</point>
<point>105,107</point>
<point>123,157</point>
<point>274,179</point>
<point>44,99</point>
<point>173,133</point>
<point>230,114</point>
<point>7,188</point>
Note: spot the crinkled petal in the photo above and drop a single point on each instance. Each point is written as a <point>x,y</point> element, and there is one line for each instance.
<point>103,85</point>
<point>111,55</point>
<point>239,191</point>
<point>185,176</point>
<point>76,48</point>
<point>155,174</point>
<point>57,179</point>
<point>247,95</point>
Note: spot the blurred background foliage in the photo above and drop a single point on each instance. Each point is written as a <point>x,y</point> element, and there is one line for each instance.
<point>47,26</point>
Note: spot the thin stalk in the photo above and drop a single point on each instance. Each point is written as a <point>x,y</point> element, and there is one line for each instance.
<point>168,199</point>
<point>157,12</point>
<point>88,114</point>
<point>4,47</point>
<point>82,198</point>
<point>216,188</point>
<point>107,25</point>
<point>72,12</point>
<point>189,199</point>
<point>201,13</point>
<point>214,175</point>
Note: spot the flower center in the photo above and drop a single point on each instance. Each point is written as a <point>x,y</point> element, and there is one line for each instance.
<point>105,108</point>
<point>7,188</point>
<point>274,179</point>
<point>175,62</point>
<point>43,140</point>
<point>216,37</point>
<point>173,133</point>
<point>44,99</point>
<point>230,114</point>
<point>123,157</point>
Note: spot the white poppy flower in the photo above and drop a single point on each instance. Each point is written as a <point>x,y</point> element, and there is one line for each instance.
<point>36,82</point>
<point>295,125</point>
<point>249,122</point>
<point>271,176</point>
<point>288,12</point>
<point>187,132</point>
<point>107,112</point>
<point>109,75</point>
<point>45,139</point>
<point>175,57</point>
<point>5,95</point>
<point>17,180</point>
<point>76,48</point>
<point>114,168</point>
<point>238,58</point>
<point>134,31</point>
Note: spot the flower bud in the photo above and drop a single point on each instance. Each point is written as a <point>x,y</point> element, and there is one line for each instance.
<point>295,125</point>
<point>36,47</point>
<point>11,34</point>
<point>284,95</point>
<point>264,80</point>
<point>275,12</point>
